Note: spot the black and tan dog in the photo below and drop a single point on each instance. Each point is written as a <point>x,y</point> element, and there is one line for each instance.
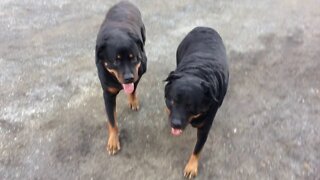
<point>196,89</point>
<point>121,61</point>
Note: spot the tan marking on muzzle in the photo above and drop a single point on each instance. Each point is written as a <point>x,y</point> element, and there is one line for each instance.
<point>168,110</point>
<point>116,74</point>
<point>194,117</point>
<point>136,75</point>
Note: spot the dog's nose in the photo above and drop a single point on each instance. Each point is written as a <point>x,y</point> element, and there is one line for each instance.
<point>128,78</point>
<point>176,123</point>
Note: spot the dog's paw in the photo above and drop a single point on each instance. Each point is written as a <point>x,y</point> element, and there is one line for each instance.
<point>134,104</point>
<point>191,169</point>
<point>113,145</point>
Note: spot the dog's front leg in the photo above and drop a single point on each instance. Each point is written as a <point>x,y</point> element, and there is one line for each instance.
<point>191,169</point>
<point>113,144</point>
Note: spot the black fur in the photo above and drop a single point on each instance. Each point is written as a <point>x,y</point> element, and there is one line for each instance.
<point>122,34</point>
<point>198,85</point>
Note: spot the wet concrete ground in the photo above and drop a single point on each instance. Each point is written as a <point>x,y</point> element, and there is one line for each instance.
<point>52,119</point>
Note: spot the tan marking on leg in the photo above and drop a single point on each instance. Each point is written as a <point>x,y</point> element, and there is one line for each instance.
<point>113,145</point>
<point>191,169</point>
<point>133,101</point>
<point>194,118</point>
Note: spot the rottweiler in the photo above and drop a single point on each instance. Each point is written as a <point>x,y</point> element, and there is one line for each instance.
<point>196,89</point>
<point>121,61</point>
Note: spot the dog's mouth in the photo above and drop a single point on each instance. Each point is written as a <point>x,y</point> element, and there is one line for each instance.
<point>128,88</point>
<point>176,132</point>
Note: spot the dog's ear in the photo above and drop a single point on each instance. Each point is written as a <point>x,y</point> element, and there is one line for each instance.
<point>101,48</point>
<point>172,76</point>
<point>137,40</point>
<point>209,92</point>
<point>101,52</point>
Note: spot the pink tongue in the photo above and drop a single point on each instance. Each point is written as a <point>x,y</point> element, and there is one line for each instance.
<point>128,88</point>
<point>176,132</point>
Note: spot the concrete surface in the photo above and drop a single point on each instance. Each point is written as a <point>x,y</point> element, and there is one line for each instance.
<point>52,119</point>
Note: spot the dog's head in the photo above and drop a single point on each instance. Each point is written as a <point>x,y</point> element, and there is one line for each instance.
<point>187,98</point>
<point>121,54</point>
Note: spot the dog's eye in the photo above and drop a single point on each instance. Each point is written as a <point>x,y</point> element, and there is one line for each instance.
<point>133,58</point>
<point>196,115</point>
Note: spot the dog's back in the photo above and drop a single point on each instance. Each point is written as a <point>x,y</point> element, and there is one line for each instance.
<point>202,53</point>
